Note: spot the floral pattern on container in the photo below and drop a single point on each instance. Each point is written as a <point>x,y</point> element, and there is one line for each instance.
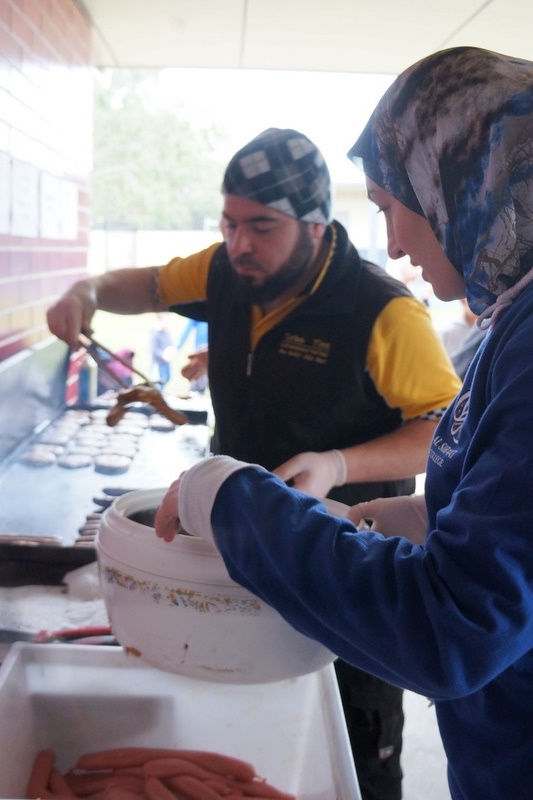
<point>183,598</point>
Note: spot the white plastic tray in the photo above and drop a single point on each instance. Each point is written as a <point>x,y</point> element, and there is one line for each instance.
<point>80,698</point>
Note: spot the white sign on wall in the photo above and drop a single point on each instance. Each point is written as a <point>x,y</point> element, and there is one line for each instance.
<point>50,194</point>
<point>59,208</point>
<point>68,210</point>
<point>5,193</point>
<point>25,200</point>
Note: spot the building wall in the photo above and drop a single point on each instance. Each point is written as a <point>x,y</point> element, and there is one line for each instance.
<point>45,160</point>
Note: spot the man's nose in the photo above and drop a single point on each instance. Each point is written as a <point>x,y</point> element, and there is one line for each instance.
<point>240,241</point>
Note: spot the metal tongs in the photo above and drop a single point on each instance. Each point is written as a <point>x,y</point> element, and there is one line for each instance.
<point>92,346</point>
<point>147,392</point>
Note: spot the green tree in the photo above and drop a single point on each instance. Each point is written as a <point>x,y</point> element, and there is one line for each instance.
<point>154,167</point>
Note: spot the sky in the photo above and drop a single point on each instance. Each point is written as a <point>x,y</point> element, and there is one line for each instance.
<point>330,108</point>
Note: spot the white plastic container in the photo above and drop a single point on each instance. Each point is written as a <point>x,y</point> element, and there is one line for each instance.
<point>77,699</point>
<point>174,605</point>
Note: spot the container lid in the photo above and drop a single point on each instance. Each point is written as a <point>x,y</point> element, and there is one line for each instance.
<point>136,545</point>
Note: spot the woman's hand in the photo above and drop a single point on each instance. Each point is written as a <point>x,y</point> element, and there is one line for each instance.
<point>394,516</point>
<point>166,518</point>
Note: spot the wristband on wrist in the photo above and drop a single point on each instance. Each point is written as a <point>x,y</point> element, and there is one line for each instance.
<point>340,468</point>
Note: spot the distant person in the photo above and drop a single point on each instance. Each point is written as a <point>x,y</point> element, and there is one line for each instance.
<point>453,333</point>
<point>196,369</point>
<point>162,350</point>
<point>411,276</point>
<point>466,350</point>
<point>461,338</point>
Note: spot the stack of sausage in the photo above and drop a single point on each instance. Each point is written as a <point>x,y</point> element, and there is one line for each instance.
<point>135,773</point>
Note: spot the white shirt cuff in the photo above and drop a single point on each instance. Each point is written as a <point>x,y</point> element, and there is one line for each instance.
<point>198,490</point>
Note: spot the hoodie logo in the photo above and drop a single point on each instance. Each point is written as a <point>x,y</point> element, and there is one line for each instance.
<point>460,413</point>
<point>441,449</point>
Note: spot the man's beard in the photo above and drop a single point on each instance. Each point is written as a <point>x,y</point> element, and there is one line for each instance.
<point>289,274</point>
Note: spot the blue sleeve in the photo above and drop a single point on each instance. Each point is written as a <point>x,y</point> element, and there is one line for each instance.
<point>186,332</point>
<point>380,604</point>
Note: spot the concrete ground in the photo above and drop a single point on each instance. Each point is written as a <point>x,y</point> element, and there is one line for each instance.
<point>423,759</point>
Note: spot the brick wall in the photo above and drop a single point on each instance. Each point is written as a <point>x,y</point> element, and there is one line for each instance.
<point>45,159</point>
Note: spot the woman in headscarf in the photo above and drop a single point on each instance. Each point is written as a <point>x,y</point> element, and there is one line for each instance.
<point>448,155</point>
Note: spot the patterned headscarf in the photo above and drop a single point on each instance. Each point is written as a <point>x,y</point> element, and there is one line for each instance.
<point>282,169</point>
<point>452,139</point>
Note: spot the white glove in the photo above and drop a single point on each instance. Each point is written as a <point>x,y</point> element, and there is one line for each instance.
<point>314,473</point>
<point>393,516</point>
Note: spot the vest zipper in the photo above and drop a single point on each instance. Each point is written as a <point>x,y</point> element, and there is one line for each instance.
<point>249,362</point>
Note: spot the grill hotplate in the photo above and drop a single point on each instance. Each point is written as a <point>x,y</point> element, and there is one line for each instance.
<point>54,501</point>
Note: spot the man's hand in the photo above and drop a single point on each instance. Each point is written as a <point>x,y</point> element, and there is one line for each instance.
<point>196,367</point>
<point>314,473</point>
<point>166,517</point>
<point>121,291</point>
<point>394,516</point>
<point>72,314</point>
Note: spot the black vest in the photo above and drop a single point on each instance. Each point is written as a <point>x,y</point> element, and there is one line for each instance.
<point>305,387</point>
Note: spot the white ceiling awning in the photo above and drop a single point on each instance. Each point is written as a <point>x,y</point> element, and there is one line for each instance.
<point>363,36</point>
